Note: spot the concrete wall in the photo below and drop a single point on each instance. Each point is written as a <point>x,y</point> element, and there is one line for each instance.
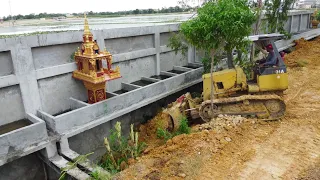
<point>298,20</point>
<point>26,168</point>
<point>56,91</point>
<point>6,66</point>
<point>11,105</point>
<point>129,44</point>
<point>54,55</point>
<point>43,66</point>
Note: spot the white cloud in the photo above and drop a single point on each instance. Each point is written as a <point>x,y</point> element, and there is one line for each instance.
<point>69,6</point>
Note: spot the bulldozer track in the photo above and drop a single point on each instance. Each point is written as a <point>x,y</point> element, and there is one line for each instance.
<point>273,107</point>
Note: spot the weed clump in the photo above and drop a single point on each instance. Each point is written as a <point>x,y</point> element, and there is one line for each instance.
<point>183,129</point>
<point>120,149</point>
<point>96,174</point>
<point>302,63</point>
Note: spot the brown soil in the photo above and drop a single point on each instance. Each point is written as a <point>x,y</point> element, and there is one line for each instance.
<point>238,148</point>
<point>306,52</point>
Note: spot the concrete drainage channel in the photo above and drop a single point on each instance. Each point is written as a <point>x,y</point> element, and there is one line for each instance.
<point>82,116</point>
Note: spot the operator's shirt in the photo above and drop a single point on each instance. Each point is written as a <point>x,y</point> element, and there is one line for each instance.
<point>271,59</point>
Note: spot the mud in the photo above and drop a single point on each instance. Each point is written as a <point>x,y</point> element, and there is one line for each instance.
<point>238,148</point>
<point>14,126</point>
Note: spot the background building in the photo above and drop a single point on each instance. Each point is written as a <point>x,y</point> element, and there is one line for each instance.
<point>307,4</point>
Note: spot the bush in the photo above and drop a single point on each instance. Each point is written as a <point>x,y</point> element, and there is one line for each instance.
<point>183,129</point>
<point>163,134</point>
<point>120,149</point>
<point>318,16</point>
<point>98,175</point>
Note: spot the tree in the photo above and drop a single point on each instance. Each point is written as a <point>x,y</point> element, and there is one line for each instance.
<point>277,14</point>
<point>318,16</point>
<point>189,3</point>
<point>259,7</point>
<point>221,24</point>
<point>224,23</point>
<point>137,11</point>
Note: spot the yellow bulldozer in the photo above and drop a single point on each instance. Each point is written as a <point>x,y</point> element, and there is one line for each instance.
<point>235,94</point>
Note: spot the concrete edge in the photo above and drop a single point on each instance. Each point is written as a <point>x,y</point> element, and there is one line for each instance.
<point>168,73</point>
<point>111,94</point>
<point>150,79</point>
<point>180,68</point>
<point>76,104</point>
<point>55,70</point>
<point>129,87</point>
<point>48,118</point>
<point>9,80</point>
<point>134,55</point>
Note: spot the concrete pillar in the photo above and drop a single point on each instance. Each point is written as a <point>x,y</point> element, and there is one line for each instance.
<point>50,151</point>
<point>26,74</point>
<point>158,49</point>
<point>64,144</point>
<point>291,23</point>
<point>300,22</point>
<point>191,54</point>
<point>309,22</point>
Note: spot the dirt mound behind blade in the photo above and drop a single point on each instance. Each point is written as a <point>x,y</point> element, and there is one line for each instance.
<point>306,53</point>
<point>148,131</point>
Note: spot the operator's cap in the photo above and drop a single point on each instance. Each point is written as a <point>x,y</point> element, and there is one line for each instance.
<point>269,46</point>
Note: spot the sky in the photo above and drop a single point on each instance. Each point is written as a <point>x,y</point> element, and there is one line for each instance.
<point>69,6</point>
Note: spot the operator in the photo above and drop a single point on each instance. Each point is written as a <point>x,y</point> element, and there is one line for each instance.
<point>271,59</point>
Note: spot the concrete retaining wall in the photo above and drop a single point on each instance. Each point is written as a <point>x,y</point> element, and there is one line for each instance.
<point>42,64</point>
<point>36,74</point>
<point>298,20</point>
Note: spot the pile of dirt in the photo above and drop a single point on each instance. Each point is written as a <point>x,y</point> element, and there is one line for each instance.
<point>223,122</point>
<point>148,131</point>
<point>190,156</point>
<point>306,52</point>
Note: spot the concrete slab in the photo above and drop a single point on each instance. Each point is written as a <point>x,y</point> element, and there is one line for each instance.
<point>165,73</point>
<point>8,81</point>
<point>180,68</point>
<point>129,87</point>
<point>150,79</point>
<point>23,141</point>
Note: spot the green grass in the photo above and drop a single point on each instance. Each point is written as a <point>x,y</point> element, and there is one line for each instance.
<point>120,149</point>
<point>302,63</point>
<point>183,129</point>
